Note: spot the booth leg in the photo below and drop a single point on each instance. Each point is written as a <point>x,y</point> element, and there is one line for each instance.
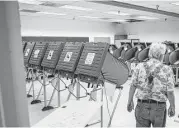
<point>176,82</point>
<point>58,84</point>
<point>28,94</point>
<point>34,101</point>
<point>78,90</point>
<point>114,109</point>
<point>45,108</point>
<point>94,93</point>
<point>33,89</point>
<point>39,93</point>
<point>72,89</point>
<point>54,90</point>
<point>102,107</point>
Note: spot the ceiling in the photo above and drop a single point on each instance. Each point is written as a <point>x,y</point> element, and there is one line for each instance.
<point>92,11</point>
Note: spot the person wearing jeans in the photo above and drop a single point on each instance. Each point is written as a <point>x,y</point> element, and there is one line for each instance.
<point>154,83</point>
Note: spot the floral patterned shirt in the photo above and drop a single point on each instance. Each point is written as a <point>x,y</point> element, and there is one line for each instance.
<point>163,80</point>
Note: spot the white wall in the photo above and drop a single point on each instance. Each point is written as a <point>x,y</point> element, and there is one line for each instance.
<point>52,26</point>
<point>154,31</point>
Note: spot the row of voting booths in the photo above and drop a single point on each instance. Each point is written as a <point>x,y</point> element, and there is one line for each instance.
<point>80,62</point>
<point>86,63</point>
<point>134,52</point>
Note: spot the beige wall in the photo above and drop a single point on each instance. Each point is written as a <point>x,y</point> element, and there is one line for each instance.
<point>53,26</point>
<point>154,31</point>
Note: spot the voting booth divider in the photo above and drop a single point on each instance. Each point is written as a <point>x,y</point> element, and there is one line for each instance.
<point>97,66</point>
<point>84,62</point>
<point>49,62</point>
<point>64,68</point>
<point>169,50</point>
<point>68,62</point>
<point>80,62</point>
<point>27,54</point>
<point>35,65</point>
<point>24,43</point>
<point>174,61</point>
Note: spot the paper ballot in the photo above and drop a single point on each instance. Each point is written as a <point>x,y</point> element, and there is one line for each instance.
<point>50,54</point>
<point>68,56</point>
<point>27,52</point>
<point>89,58</point>
<point>36,53</point>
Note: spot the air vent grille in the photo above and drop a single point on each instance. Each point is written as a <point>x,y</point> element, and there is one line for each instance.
<point>51,4</point>
<point>29,11</point>
<point>134,20</point>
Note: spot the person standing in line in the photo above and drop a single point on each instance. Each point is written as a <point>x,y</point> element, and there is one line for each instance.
<point>154,83</point>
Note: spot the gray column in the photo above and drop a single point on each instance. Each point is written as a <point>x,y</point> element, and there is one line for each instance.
<point>12,75</point>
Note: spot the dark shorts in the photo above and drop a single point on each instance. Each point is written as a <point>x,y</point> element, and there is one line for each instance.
<point>148,114</point>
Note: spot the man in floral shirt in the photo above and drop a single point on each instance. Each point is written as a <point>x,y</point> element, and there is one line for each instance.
<point>154,82</point>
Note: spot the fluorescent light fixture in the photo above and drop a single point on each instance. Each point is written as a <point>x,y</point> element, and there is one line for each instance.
<point>52,13</point>
<point>147,17</point>
<point>176,3</point>
<point>116,20</point>
<point>30,2</point>
<point>118,13</point>
<point>76,8</point>
<point>90,17</point>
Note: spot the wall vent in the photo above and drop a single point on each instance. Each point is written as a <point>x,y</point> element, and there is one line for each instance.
<point>29,11</point>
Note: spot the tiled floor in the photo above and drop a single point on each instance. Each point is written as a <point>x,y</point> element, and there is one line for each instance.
<point>122,118</point>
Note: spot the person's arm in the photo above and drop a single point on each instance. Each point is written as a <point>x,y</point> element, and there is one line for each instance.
<point>131,94</point>
<point>171,98</point>
<point>170,92</point>
<point>132,90</point>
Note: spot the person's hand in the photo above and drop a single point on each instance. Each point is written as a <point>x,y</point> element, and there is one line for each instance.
<point>171,111</point>
<point>130,106</point>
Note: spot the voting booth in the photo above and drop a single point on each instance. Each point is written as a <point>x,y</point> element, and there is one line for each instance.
<point>24,43</point>
<point>170,49</point>
<point>69,59</point>
<point>50,55</point>
<point>89,63</point>
<point>126,47</point>
<point>174,61</point>
<point>27,52</point>
<point>67,64</point>
<point>35,64</point>
<point>97,66</point>
<point>65,67</point>
<point>132,54</point>
<point>143,55</point>
<point>120,53</point>
<point>37,55</point>
<point>174,57</point>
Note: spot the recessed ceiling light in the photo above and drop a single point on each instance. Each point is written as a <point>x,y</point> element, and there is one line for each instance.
<point>176,3</point>
<point>76,8</point>
<point>117,20</point>
<point>52,13</point>
<point>118,13</point>
<point>147,17</point>
<point>90,17</point>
